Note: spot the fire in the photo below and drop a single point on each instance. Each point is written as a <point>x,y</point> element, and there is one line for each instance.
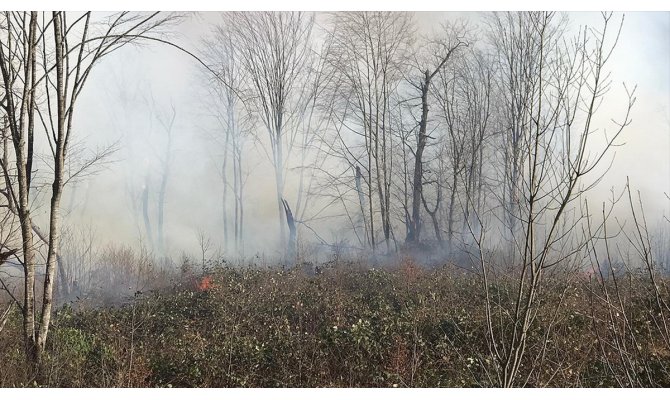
<point>205,284</point>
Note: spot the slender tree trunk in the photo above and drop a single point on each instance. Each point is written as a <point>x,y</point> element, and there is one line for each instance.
<point>372,154</point>
<point>433,213</point>
<point>290,222</point>
<point>436,226</point>
<point>239,203</point>
<point>161,197</point>
<point>5,162</point>
<point>417,187</point>
<point>373,243</point>
<point>361,200</point>
<point>280,204</point>
<point>29,334</point>
<point>145,212</point>
<point>224,176</point>
<point>57,189</point>
<point>279,179</point>
<point>414,234</point>
<point>224,204</point>
<point>19,131</point>
<point>450,219</point>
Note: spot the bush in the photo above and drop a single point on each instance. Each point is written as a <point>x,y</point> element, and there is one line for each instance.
<point>345,327</point>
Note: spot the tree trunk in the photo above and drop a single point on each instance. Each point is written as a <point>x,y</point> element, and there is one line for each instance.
<point>145,212</point>
<point>290,222</point>
<point>239,211</point>
<point>450,219</point>
<point>279,184</point>
<point>161,197</point>
<point>224,204</point>
<point>19,130</point>
<point>239,204</point>
<point>361,200</point>
<point>57,189</point>
<point>224,177</point>
<point>417,188</point>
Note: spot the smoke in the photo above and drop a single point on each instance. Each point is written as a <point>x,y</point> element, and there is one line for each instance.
<point>116,108</point>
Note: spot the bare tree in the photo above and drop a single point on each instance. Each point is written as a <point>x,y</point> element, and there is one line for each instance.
<point>441,51</point>
<point>166,121</point>
<point>558,151</point>
<point>236,121</point>
<point>464,95</point>
<point>67,51</point>
<point>366,54</point>
<point>520,58</point>
<point>273,49</point>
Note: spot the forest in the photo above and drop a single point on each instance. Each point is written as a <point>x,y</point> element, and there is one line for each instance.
<point>334,199</point>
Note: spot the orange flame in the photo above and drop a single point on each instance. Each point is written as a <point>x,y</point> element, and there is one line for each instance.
<point>205,284</point>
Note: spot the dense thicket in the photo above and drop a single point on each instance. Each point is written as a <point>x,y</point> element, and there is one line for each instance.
<point>347,327</point>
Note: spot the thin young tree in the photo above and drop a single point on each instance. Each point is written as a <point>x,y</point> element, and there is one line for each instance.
<point>561,151</point>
